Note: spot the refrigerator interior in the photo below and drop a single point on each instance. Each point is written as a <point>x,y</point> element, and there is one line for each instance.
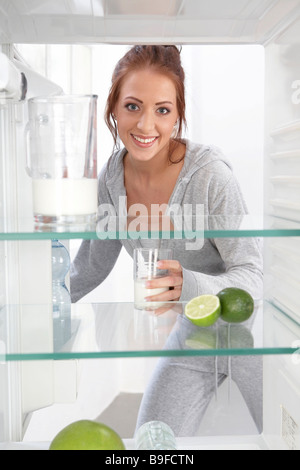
<point>62,386</point>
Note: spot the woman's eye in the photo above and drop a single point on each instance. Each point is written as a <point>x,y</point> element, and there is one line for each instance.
<point>163,110</point>
<point>132,107</point>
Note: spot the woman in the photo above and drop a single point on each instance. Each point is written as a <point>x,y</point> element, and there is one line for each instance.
<point>146,111</point>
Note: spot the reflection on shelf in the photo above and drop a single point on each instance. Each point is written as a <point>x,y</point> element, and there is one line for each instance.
<point>119,330</point>
<point>174,227</point>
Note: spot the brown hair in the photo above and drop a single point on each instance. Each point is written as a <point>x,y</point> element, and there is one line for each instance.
<point>165,59</point>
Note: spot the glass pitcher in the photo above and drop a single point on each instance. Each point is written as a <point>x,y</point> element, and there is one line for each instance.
<point>62,158</point>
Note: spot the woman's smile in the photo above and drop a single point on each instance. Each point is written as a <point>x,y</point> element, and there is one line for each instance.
<point>142,141</point>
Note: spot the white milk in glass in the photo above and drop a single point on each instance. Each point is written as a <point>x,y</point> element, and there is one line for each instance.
<point>141,291</point>
<point>65,196</point>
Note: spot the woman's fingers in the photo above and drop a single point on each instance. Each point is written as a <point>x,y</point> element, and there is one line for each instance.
<point>172,280</point>
<point>170,264</point>
<point>172,283</point>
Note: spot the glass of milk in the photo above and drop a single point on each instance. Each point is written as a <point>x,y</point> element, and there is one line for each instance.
<point>145,268</point>
<point>61,147</point>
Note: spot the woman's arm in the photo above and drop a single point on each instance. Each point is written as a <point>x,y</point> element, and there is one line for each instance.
<point>92,264</point>
<point>243,260</point>
<point>95,258</point>
<point>242,256</point>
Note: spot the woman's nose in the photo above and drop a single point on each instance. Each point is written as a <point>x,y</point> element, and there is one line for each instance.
<point>146,122</point>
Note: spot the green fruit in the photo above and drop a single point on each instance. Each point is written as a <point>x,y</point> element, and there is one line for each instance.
<point>237,305</point>
<point>203,310</point>
<point>87,435</point>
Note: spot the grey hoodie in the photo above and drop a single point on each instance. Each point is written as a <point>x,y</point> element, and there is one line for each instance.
<point>206,178</point>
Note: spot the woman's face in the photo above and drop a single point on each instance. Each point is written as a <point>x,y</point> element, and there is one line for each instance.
<point>146,113</point>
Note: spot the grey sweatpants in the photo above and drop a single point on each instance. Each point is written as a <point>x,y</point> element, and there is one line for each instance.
<point>181,388</point>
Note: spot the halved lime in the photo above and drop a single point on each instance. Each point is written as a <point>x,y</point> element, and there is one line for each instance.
<point>203,310</point>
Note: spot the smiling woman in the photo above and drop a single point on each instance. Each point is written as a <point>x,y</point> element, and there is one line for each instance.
<point>156,167</point>
<point>166,95</point>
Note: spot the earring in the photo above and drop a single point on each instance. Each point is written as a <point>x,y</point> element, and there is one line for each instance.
<point>176,125</point>
<point>175,129</point>
<point>113,116</point>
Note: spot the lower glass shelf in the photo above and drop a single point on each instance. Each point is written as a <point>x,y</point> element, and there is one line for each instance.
<point>111,330</point>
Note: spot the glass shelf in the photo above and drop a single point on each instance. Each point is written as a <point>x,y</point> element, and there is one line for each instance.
<point>119,330</point>
<point>179,228</point>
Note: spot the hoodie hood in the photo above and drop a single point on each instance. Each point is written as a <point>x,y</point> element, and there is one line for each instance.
<point>196,156</point>
<point>208,162</point>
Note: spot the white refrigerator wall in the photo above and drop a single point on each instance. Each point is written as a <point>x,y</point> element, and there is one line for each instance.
<point>282,274</point>
<point>23,288</point>
<point>26,290</point>
<point>3,378</point>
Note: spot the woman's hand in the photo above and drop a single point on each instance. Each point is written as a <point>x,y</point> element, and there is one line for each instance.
<point>173,281</point>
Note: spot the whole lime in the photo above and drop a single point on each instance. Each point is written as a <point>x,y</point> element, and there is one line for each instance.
<point>237,305</point>
<point>87,435</point>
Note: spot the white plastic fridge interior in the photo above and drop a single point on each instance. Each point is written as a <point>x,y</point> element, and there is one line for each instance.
<point>282,170</point>
<point>275,24</point>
